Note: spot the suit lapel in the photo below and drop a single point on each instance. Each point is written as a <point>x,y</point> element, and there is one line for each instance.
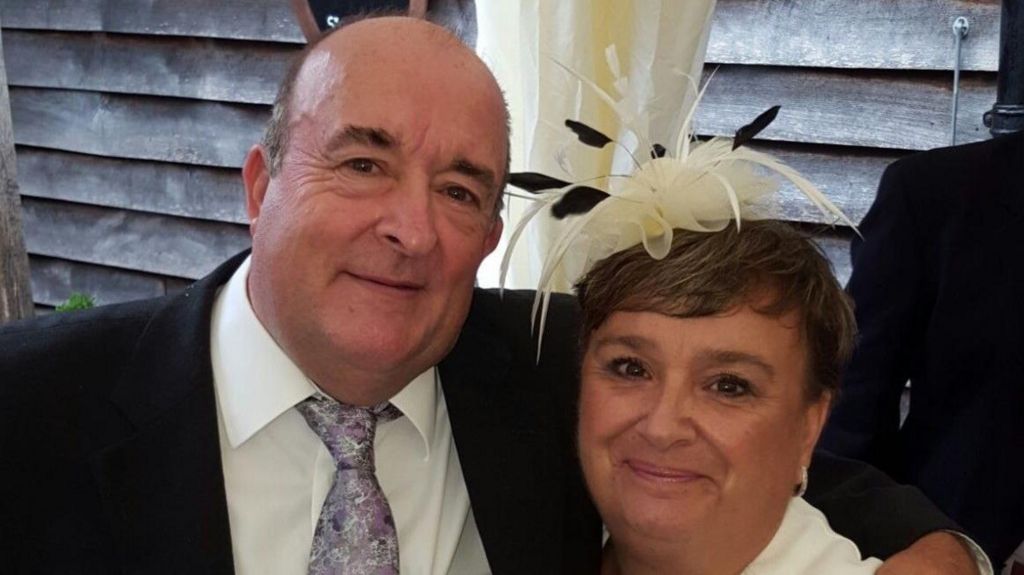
<point>513,470</point>
<point>164,487</point>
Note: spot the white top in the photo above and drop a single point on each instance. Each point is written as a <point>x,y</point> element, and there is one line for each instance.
<point>806,545</point>
<point>277,472</point>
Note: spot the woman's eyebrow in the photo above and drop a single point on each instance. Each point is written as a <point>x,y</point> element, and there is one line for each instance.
<point>733,357</point>
<point>634,342</point>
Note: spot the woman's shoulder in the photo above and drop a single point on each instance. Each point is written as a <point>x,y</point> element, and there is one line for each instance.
<point>805,544</point>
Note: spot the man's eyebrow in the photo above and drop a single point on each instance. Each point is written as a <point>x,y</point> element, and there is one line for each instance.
<point>732,357</point>
<point>484,176</point>
<point>366,136</point>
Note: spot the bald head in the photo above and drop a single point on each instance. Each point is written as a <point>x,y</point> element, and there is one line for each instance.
<point>379,45</point>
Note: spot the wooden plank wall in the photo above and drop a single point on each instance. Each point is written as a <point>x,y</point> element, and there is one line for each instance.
<point>131,117</point>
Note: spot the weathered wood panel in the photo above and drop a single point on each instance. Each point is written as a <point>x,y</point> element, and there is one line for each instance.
<point>54,280</point>
<point>15,285</point>
<point>157,187</point>
<point>123,239</point>
<point>175,285</point>
<point>246,72</point>
<point>840,108</point>
<point>891,34</point>
<point>870,109</point>
<point>903,34</point>
<point>239,19</point>
<point>150,128</point>
<point>837,248</point>
<point>848,176</point>
<point>223,70</point>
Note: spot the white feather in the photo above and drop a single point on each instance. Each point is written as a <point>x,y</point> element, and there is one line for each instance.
<point>704,187</point>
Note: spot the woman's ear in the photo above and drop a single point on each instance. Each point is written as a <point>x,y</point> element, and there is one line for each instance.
<point>814,422</point>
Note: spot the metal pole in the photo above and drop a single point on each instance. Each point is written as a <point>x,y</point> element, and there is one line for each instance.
<point>961,26</point>
<point>1007,115</point>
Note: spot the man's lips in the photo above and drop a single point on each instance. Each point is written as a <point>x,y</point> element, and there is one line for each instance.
<point>660,473</point>
<point>382,281</point>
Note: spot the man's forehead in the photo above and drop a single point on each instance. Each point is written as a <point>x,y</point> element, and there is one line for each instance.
<point>422,90</point>
<point>316,82</point>
<point>452,149</point>
<point>354,65</point>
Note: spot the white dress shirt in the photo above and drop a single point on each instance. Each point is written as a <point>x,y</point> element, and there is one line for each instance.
<point>277,472</point>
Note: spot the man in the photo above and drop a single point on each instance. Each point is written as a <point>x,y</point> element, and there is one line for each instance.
<point>937,282</point>
<point>182,435</point>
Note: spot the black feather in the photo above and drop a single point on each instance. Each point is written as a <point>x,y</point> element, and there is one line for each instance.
<point>747,133</point>
<point>657,151</point>
<point>588,135</point>
<point>534,182</point>
<point>578,201</point>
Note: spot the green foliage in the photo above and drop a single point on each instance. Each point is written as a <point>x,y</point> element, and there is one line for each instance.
<point>77,301</point>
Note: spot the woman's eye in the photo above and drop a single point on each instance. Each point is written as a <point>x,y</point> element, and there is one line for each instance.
<point>629,367</point>
<point>731,386</point>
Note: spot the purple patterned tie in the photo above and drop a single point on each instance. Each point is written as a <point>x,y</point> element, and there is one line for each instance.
<point>355,534</point>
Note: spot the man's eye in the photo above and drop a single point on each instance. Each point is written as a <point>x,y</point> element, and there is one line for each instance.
<point>731,386</point>
<point>460,194</point>
<point>361,165</point>
<point>629,367</point>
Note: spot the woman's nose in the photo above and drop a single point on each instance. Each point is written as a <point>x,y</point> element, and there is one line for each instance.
<point>669,419</point>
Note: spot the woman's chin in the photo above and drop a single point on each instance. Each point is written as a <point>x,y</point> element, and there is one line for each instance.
<point>659,519</point>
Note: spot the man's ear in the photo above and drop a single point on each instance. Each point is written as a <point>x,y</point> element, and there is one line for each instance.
<point>256,177</point>
<point>493,236</point>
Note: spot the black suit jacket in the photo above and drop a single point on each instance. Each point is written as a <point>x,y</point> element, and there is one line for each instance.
<point>938,282</point>
<point>110,457</point>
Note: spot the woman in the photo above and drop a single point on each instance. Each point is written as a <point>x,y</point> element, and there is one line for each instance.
<point>711,353</point>
<point>706,379</point>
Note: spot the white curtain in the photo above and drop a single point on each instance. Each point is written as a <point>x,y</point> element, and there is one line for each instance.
<point>659,45</point>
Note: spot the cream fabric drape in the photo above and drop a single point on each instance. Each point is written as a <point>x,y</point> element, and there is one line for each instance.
<point>658,44</point>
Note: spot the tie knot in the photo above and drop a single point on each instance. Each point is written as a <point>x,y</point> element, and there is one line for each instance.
<point>346,430</point>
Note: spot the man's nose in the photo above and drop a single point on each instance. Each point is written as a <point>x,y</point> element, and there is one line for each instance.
<point>669,418</point>
<point>409,224</point>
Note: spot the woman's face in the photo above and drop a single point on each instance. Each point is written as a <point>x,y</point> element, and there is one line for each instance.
<point>695,427</point>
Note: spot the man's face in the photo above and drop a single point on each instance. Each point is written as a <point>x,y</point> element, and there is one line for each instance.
<point>367,240</point>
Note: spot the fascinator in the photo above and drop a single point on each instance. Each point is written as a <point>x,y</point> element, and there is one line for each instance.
<point>695,185</point>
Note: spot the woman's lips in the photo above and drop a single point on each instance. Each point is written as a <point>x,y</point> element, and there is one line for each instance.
<point>652,472</point>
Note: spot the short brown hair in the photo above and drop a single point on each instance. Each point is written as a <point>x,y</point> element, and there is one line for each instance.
<point>708,273</point>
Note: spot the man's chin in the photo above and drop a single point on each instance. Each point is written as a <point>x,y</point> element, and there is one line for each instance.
<point>383,356</point>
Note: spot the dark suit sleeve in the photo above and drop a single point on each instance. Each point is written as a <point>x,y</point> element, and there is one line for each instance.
<point>866,506</point>
<point>887,288</point>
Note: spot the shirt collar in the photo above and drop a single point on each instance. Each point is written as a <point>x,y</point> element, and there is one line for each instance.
<point>256,381</point>
<point>418,402</point>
